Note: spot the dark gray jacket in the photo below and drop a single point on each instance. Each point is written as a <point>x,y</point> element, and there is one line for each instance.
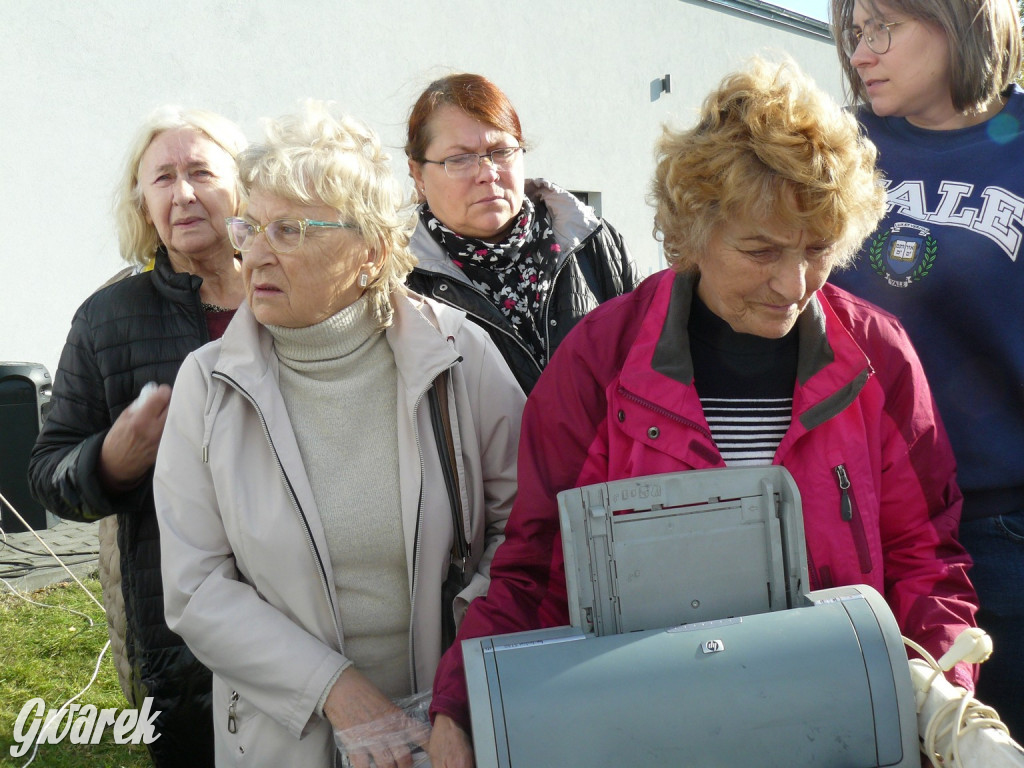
<point>136,330</point>
<point>594,266</point>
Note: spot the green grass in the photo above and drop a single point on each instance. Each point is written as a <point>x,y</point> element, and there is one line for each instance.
<point>51,654</point>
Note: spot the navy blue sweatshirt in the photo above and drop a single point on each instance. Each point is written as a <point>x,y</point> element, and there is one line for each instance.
<point>946,259</point>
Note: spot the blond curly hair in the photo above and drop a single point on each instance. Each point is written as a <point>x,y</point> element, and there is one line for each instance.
<point>316,158</point>
<point>769,145</point>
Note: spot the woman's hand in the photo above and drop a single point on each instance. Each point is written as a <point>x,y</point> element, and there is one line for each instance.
<point>449,745</point>
<point>129,449</point>
<point>370,725</point>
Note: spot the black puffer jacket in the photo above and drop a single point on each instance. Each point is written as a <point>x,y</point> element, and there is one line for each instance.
<point>137,330</point>
<point>594,266</point>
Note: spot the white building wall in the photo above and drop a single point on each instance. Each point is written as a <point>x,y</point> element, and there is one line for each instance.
<point>77,77</point>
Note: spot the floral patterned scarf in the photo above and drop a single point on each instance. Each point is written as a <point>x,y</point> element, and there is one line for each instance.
<point>514,273</point>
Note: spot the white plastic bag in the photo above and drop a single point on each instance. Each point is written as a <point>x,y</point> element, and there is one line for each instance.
<point>398,733</point>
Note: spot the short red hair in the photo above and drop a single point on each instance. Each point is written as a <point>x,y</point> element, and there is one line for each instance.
<point>475,95</point>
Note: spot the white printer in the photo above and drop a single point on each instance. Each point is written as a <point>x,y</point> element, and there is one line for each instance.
<point>694,642</point>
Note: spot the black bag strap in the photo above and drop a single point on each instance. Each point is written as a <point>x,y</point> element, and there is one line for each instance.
<point>437,396</point>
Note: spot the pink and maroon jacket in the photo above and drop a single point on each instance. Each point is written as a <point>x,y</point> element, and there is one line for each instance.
<point>618,401</point>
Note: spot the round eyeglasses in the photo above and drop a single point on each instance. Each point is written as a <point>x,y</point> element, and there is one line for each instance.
<point>284,235</point>
<point>463,166</point>
<point>876,34</point>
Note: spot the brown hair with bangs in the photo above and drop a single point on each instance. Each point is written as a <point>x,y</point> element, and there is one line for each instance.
<point>985,48</point>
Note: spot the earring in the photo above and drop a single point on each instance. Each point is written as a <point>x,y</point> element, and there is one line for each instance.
<point>364,279</point>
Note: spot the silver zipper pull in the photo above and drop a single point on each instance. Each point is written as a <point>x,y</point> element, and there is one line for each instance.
<point>845,505</point>
<point>232,723</point>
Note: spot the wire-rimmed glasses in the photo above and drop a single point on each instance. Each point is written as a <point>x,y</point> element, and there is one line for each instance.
<point>877,34</point>
<point>462,166</point>
<point>284,235</point>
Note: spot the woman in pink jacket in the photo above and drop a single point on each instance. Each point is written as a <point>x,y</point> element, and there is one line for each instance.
<point>741,354</point>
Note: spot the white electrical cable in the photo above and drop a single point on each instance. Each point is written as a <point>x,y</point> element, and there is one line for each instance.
<point>52,553</point>
<point>20,596</point>
<point>56,716</point>
<point>953,724</point>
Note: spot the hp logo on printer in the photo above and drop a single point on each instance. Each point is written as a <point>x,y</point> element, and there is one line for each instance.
<point>712,646</point>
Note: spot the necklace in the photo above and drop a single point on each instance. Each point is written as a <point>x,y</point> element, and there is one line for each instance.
<point>215,308</point>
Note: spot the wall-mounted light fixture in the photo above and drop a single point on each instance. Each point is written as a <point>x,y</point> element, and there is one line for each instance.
<point>660,85</point>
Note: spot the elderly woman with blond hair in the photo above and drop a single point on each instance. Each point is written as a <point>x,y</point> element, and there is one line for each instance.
<point>304,556</point>
<point>741,354</point>
<point>93,459</point>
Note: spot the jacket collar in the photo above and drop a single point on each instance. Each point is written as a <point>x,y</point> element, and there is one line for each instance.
<point>831,367</point>
<point>175,286</point>
<point>572,222</point>
<point>419,337</point>
<point>422,336</point>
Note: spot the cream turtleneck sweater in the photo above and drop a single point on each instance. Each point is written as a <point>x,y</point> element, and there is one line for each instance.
<point>339,383</point>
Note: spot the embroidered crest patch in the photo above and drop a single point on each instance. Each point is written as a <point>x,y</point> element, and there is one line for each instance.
<point>904,254</point>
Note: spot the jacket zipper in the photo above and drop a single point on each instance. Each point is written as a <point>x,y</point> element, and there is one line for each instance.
<point>547,299</point>
<point>543,312</point>
<point>419,539</point>
<point>503,331</point>
<point>232,722</point>
<point>295,503</point>
<point>664,412</point>
<point>849,513</point>
<point>845,505</point>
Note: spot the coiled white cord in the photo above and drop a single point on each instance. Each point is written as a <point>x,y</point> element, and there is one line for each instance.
<point>959,713</point>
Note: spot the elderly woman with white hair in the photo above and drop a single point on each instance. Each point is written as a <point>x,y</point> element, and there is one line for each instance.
<point>305,555</point>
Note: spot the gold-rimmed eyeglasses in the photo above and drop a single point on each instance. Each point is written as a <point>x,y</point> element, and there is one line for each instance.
<point>876,34</point>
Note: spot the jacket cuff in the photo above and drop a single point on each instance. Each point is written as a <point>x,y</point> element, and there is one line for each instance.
<point>456,709</point>
<point>964,675</point>
<point>330,684</point>
<point>96,501</point>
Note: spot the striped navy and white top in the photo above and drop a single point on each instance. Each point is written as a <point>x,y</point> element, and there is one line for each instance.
<point>747,431</point>
<point>745,384</point>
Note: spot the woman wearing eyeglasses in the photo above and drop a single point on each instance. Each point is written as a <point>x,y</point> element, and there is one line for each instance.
<point>306,523</point>
<point>522,257</point>
<point>935,83</point>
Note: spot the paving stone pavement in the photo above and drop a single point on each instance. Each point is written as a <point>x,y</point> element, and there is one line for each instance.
<point>27,566</point>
